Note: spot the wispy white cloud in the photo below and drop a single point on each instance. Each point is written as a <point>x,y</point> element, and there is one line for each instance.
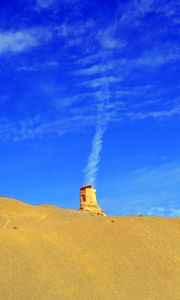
<point>39,126</point>
<point>66,102</point>
<point>45,3</point>
<point>101,81</point>
<point>90,59</point>
<point>175,212</point>
<point>149,191</point>
<point>135,11</point>
<point>95,69</point>
<point>119,69</point>
<point>78,99</point>
<point>163,211</point>
<point>22,40</point>
<point>76,34</point>
<point>35,67</point>
<point>158,114</point>
<point>165,175</point>
<point>67,29</point>
<point>109,39</point>
<point>168,8</point>
<point>166,53</point>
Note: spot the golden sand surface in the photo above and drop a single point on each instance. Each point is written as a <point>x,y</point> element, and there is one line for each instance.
<point>52,253</point>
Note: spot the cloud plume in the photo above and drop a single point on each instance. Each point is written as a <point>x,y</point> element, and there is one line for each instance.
<point>97,142</point>
<point>94,157</point>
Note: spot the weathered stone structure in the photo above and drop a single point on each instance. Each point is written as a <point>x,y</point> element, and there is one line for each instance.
<point>88,201</point>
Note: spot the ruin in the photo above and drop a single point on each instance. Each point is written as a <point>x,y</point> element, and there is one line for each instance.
<point>88,201</point>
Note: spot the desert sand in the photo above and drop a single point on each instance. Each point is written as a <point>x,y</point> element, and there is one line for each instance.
<point>52,253</point>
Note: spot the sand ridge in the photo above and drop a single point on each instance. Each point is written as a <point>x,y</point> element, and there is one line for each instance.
<point>52,253</point>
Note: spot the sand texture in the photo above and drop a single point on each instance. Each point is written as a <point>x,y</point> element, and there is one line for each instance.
<point>52,253</point>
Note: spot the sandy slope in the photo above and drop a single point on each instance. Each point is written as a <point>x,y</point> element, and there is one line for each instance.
<point>52,253</point>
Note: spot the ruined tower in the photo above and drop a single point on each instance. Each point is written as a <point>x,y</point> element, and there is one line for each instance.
<point>88,201</point>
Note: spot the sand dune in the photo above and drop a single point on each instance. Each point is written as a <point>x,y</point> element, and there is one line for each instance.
<point>52,253</point>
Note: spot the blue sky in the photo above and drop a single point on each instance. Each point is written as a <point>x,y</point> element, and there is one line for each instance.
<point>90,93</point>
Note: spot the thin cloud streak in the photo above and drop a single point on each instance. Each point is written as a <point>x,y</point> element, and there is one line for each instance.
<point>103,118</point>
<point>94,157</point>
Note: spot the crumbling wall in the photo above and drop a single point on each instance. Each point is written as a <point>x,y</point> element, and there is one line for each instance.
<point>88,201</point>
